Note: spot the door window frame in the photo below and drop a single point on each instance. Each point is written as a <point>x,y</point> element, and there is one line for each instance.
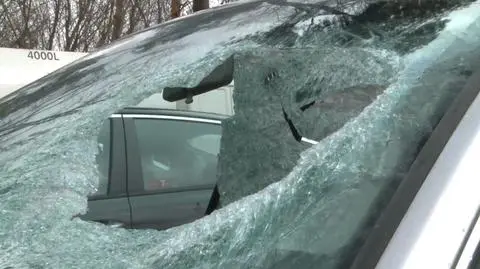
<point>117,171</point>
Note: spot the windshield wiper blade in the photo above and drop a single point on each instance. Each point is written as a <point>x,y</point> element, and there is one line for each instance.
<point>296,134</point>
<point>269,79</point>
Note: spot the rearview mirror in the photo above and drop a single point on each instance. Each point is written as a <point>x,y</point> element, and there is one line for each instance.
<point>222,75</point>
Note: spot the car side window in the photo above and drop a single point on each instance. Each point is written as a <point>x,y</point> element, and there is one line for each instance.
<point>177,153</point>
<point>103,157</point>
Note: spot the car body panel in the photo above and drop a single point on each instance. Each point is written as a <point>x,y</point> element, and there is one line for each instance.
<point>169,209</point>
<point>425,164</point>
<point>447,202</point>
<point>469,255</point>
<point>109,211</point>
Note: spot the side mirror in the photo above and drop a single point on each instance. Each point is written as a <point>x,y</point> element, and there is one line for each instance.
<point>222,75</point>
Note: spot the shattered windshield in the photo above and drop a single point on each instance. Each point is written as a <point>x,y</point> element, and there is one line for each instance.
<point>368,81</point>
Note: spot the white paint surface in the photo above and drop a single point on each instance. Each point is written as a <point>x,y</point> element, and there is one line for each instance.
<point>18,70</point>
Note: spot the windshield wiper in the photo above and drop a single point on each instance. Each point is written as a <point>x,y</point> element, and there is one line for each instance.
<point>269,78</point>
<point>296,134</point>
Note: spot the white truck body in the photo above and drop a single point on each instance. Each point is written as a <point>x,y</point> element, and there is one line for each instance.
<point>19,67</point>
<point>218,101</point>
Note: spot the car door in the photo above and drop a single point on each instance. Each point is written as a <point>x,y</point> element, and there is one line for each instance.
<point>110,203</point>
<point>171,168</point>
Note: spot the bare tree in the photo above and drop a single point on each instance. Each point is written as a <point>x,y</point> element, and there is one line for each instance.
<point>118,19</point>
<point>200,5</point>
<point>82,25</point>
<point>57,8</point>
<point>175,7</point>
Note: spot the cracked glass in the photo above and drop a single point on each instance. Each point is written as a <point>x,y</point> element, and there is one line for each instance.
<point>368,80</point>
